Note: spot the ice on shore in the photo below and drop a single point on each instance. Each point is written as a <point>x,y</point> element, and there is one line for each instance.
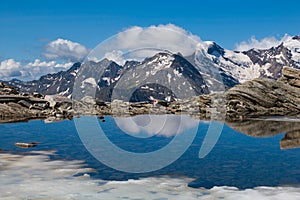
<point>36,176</point>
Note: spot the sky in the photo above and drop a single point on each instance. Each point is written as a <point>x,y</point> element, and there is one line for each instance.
<point>38,37</point>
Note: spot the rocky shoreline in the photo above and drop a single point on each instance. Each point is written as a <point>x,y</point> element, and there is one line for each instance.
<point>259,97</point>
<point>239,107</point>
<point>16,106</point>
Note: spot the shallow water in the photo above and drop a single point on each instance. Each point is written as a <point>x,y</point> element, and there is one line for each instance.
<point>61,166</point>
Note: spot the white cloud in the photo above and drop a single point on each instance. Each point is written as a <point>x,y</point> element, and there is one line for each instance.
<point>115,56</point>
<point>10,68</point>
<point>156,125</point>
<point>33,70</point>
<point>65,50</point>
<point>137,43</point>
<point>264,43</point>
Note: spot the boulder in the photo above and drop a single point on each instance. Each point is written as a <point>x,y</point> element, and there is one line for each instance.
<point>25,103</point>
<point>26,145</point>
<point>265,97</point>
<point>291,76</point>
<point>291,73</point>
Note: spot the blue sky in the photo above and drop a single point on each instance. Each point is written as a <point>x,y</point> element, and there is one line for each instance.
<point>27,26</point>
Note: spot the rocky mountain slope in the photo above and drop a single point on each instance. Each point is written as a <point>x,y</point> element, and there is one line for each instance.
<point>58,83</point>
<point>100,78</point>
<point>211,68</point>
<point>255,98</point>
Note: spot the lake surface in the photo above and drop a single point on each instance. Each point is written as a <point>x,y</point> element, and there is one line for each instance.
<point>228,165</point>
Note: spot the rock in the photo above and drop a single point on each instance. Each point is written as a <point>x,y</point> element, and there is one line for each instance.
<point>100,103</point>
<point>11,98</point>
<point>5,89</point>
<point>265,97</point>
<point>25,103</point>
<point>52,119</point>
<point>36,107</point>
<point>50,99</point>
<point>89,100</point>
<point>37,95</point>
<point>26,145</point>
<point>259,97</point>
<point>59,115</point>
<point>291,73</point>
<point>25,106</point>
<point>291,76</point>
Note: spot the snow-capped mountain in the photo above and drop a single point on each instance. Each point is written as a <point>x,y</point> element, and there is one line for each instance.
<point>162,76</point>
<point>58,83</point>
<point>211,68</point>
<point>247,65</point>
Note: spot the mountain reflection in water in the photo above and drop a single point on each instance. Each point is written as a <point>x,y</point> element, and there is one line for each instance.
<point>246,154</point>
<point>168,125</point>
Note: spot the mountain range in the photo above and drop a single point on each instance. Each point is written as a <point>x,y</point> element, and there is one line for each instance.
<point>168,76</point>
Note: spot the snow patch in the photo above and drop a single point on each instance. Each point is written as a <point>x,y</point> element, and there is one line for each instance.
<point>54,179</point>
<point>160,62</point>
<point>107,79</point>
<point>169,77</point>
<point>89,81</point>
<point>294,47</point>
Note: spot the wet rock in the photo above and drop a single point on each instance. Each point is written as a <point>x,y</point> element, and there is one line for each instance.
<point>26,145</point>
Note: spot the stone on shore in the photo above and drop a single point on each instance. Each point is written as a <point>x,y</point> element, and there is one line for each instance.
<point>266,97</point>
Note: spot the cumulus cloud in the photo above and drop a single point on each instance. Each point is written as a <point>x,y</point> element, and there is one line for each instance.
<point>138,42</point>
<point>264,43</point>
<point>65,50</point>
<point>10,68</point>
<point>156,125</point>
<point>62,54</point>
<point>33,70</point>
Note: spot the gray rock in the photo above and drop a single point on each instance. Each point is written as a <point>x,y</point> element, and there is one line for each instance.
<point>265,97</point>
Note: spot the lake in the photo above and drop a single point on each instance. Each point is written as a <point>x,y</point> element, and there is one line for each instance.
<point>150,157</point>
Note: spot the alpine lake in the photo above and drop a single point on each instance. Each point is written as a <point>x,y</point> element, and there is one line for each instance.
<point>71,159</point>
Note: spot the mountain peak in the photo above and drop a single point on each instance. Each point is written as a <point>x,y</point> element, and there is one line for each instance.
<point>215,64</point>
<point>215,49</point>
<point>161,58</point>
